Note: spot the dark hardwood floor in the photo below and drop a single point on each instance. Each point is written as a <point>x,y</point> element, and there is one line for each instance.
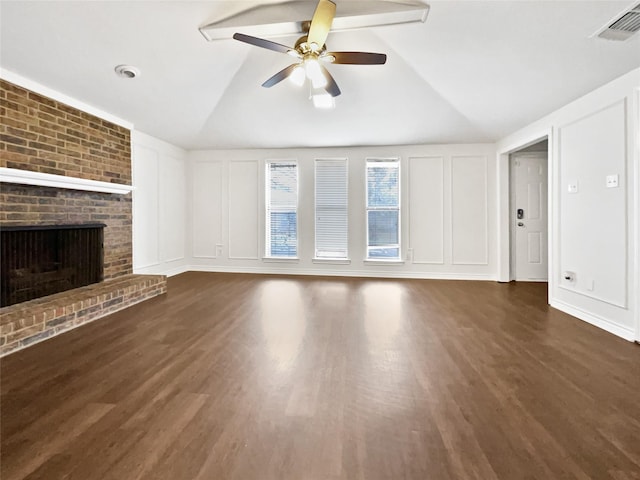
<point>233,376</point>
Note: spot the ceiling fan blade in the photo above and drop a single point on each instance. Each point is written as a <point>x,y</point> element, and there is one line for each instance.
<point>332,86</point>
<point>321,23</point>
<point>281,75</point>
<point>261,42</point>
<point>357,58</point>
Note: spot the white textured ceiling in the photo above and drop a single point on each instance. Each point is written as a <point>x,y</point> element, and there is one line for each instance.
<point>474,72</point>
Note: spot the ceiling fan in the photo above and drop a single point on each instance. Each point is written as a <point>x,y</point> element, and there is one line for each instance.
<point>311,52</point>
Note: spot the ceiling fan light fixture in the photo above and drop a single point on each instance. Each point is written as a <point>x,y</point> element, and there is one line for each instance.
<point>319,82</point>
<point>323,100</point>
<point>298,76</point>
<point>314,73</point>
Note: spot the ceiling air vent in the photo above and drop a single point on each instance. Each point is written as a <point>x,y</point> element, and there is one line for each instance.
<point>623,26</point>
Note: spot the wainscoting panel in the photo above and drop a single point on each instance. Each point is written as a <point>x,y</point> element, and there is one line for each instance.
<point>207,208</point>
<point>172,208</point>
<point>593,218</point>
<point>469,210</point>
<point>426,201</point>
<point>244,220</point>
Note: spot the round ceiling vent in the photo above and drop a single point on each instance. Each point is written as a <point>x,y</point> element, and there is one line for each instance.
<point>127,71</point>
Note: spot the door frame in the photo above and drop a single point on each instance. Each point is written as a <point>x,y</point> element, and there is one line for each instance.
<point>636,188</point>
<point>504,204</point>
<point>512,205</point>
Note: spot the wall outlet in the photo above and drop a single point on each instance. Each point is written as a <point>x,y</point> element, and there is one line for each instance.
<point>219,250</point>
<point>572,187</point>
<point>589,284</point>
<point>409,254</point>
<point>612,181</point>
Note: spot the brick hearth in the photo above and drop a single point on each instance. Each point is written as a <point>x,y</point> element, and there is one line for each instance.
<point>30,322</point>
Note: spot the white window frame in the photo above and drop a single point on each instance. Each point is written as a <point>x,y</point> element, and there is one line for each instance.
<point>318,256</point>
<point>397,164</point>
<point>267,211</point>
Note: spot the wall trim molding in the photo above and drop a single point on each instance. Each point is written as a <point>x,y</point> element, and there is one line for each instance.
<point>26,177</point>
<point>486,210</point>
<point>561,200</point>
<point>593,319</point>
<point>172,272</point>
<point>162,269</point>
<point>635,207</point>
<point>339,273</point>
<point>442,199</point>
<point>259,181</point>
<point>216,187</point>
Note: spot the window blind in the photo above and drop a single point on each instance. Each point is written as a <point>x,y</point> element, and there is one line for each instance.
<point>281,202</point>
<point>383,209</point>
<point>331,208</point>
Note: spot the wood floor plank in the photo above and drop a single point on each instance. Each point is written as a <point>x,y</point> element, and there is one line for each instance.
<point>47,442</point>
<point>242,377</point>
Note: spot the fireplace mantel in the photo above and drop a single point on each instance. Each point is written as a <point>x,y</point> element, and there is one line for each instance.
<point>25,177</point>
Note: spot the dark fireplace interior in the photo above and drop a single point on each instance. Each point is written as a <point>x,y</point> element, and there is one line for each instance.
<point>41,260</point>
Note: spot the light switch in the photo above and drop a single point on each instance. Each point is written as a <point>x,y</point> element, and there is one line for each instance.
<point>572,187</point>
<point>612,181</point>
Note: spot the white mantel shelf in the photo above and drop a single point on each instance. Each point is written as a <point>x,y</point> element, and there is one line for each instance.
<point>14,175</point>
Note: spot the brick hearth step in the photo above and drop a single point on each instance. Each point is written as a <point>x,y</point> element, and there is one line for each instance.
<point>29,322</point>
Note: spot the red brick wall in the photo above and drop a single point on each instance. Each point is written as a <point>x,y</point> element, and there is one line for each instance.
<point>43,135</point>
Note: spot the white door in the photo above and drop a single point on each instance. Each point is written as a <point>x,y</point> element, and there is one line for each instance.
<point>529,216</point>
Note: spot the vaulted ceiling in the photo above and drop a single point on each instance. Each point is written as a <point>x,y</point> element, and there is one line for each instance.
<point>475,71</point>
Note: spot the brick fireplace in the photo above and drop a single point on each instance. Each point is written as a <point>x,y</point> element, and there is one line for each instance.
<point>51,140</point>
<point>32,205</point>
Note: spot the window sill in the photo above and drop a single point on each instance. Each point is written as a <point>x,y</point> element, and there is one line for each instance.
<point>280,259</point>
<point>370,261</point>
<point>332,261</point>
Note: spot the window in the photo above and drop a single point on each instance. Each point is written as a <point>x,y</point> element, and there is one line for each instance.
<point>331,209</point>
<point>281,202</point>
<point>383,209</point>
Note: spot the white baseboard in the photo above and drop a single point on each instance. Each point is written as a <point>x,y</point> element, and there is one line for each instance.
<point>341,273</point>
<point>162,270</point>
<point>596,320</point>
<point>176,270</point>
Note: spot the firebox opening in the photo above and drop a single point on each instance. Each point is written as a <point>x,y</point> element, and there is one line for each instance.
<point>40,260</point>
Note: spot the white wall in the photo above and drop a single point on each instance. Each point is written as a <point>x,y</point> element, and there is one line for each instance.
<point>593,232</point>
<point>448,211</point>
<point>159,206</point>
